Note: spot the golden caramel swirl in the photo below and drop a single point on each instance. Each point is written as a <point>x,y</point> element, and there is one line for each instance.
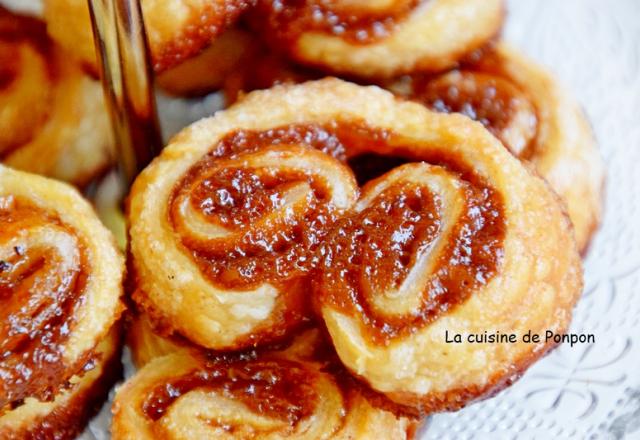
<point>66,416</point>
<point>53,120</point>
<point>529,112</point>
<point>419,233</point>
<point>282,394</point>
<point>358,22</point>
<point>245,220</point>
<point>493,101</point>
<point>381,38</point>
<point>60,277</point>
<point>43,271</point>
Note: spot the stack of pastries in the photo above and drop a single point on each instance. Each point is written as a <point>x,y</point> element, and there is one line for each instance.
<point>294,261</point>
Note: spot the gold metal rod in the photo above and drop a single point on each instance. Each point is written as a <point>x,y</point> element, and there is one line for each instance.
<point>123,60</point>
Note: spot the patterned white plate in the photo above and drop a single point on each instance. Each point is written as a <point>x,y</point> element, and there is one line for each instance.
<point>584,391</point>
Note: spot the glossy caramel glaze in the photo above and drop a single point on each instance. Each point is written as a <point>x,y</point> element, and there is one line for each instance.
<point>39,292</point>
<point>352,22</point>
<point>66,416</point>
<point>374,250</point>
<point>236,198</point>
<point>531,114</point>
<point>294,389</point>
<point>242,197</point>
<point>247,217</point>
<point>489,99</point>
<point>278,390</point>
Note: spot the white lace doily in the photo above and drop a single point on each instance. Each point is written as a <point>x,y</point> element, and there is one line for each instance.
<point>587,391</point>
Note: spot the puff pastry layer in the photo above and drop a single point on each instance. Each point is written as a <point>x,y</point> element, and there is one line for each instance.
<point>224,226</point>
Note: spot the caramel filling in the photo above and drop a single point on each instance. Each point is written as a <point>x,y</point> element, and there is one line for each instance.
<point>281,390</point>
<point>357,22</point>
<point>43,273</point>
<point>495,102</point>
<point>410,255</point>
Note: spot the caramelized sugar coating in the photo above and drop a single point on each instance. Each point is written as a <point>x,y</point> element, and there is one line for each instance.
<point>66,416</point>
<point>533,116</point>
<point>294,392</point>
<point>381,38</point>
<point>53,119</point>
<point>176,30</point>
<point>60,286</point>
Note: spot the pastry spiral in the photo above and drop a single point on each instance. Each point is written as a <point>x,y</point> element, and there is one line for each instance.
<point>70,410</point>
<point>60,286</point>
<point>53,120</point>
<point>378,38</point>
<point>533,116</point>
<point>224,226</point>
<point>277,394</point>
<point>176,30</point>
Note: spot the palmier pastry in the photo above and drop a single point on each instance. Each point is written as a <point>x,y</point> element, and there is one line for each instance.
<point>224,226</point>
<point>176,30</point>
<point>378,38</point>
<point>278,394</point>
<point>208,70</point>
<point>466,240</point>
<point>53,120</point>
<point>60,284</point>
<point>533,116</point>
<point>71,408</point>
